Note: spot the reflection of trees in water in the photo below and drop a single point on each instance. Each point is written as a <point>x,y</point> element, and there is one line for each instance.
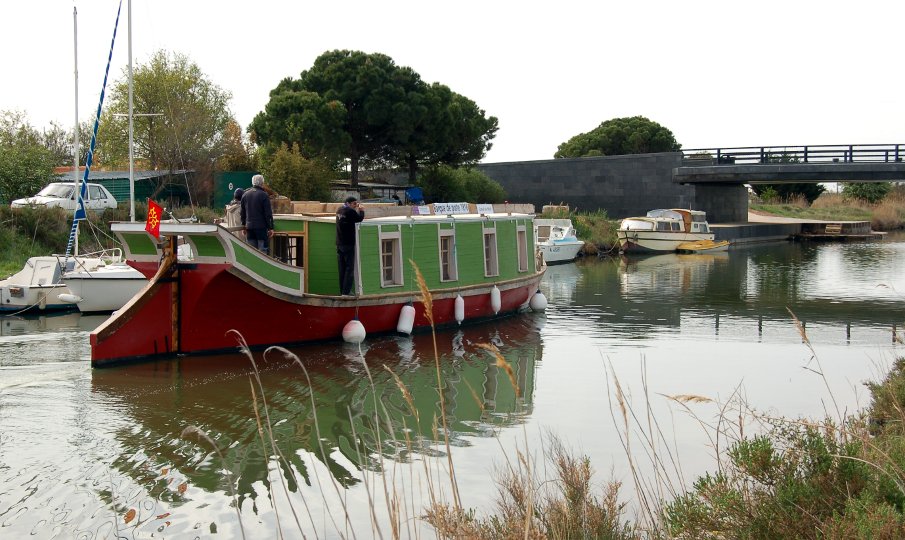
<point>360,423</point>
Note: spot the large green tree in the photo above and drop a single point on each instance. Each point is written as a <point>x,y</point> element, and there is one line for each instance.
<point>620,136</point>
<point>366,109</point>
<point>179,118</point>
<point>26,164</point>
<point>436,126</point>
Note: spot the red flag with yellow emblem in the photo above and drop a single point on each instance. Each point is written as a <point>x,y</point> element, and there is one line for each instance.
<point>152,225</point>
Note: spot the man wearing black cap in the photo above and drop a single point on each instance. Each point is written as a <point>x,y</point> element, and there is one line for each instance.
<point>347,216</point>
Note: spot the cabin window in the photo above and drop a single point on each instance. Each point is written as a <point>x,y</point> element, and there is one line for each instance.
<point>390,259</point>
<point>543,233</point>
<point>95,193</point>
<point>491,264</point>
<point>521,237</point>
<point>289,249</point>
<point>448,267</point>
<point>675,226</point>
<point>662,226</point>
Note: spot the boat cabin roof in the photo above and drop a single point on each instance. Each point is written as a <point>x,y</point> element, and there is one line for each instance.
<point>390,220</point>
<point>674,213</point>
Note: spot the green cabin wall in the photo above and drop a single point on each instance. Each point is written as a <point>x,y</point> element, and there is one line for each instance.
<point>323,268</point>
<point>420,243</point>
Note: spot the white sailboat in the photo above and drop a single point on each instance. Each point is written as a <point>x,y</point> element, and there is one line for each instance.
<point>102,281</point>
<point>91,282</point>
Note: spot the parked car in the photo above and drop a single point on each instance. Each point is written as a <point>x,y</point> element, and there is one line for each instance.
<point>61,194</point>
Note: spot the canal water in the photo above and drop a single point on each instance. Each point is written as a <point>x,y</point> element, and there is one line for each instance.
<point>316,447</point>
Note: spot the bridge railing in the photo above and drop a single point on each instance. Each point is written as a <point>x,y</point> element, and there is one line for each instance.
<point>839,153</point>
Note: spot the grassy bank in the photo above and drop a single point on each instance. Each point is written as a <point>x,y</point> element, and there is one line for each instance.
<point>31,232</point>
<point>889,214</point>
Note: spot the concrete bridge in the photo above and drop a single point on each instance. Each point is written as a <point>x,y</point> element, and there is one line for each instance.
<point>709,179</point>
<point>792,164</point>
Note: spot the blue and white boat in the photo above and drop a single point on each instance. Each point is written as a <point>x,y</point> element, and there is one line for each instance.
<point>556,240</point>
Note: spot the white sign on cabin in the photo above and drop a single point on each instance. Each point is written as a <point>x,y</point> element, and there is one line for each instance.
<point>485,208</point>
<point>451,208</point>
<point>421,210</point>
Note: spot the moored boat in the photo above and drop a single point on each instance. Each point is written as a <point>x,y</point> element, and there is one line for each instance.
<point>102,283</point>
<point>662,230</point>
<point>703,246</point>
<point>557,240</point>
<point>36,287</point>
<point>476,266</point>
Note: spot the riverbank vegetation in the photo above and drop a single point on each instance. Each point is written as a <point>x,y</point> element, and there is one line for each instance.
<point>883,205</point>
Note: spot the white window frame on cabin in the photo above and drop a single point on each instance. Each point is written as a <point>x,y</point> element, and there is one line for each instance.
<point>448,257</point>
<point>393,239</point>
<point>521,239</point>
<point>491,253</point>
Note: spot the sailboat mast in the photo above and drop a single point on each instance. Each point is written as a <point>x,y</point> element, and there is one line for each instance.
<point>131,127</point>
<point>75,141</point>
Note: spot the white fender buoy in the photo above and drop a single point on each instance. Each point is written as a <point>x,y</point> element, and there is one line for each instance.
<point>69,298</point>
<point>495,301</point>
<point>406,319</point>
<point>459,308</point>
<point>354,331</point>
<point>538,302</point>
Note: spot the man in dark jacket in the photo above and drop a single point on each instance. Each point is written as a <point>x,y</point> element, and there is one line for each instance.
<point>347,216</point>
<point>257,215</point>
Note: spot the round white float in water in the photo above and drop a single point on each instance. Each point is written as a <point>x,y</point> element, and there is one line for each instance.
<point>354,332</point>
<point>406,319</point>
<point>495,300</point>
<point>459,308</point>
<point>538,302</point>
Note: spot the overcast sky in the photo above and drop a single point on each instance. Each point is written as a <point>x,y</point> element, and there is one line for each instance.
<point>717,73</point>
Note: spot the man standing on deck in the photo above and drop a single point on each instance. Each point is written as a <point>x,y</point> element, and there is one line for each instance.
<point>347,216</point>
<point>257,215</point>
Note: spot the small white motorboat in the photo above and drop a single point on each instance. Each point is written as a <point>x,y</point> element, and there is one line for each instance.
<point>556,240</point>
<point>37,287</point>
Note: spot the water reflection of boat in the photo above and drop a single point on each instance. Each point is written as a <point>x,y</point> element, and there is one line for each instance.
<point>354,416</point>
<point>559,283</point>
<point>674,272</point>
<point>12,325</point>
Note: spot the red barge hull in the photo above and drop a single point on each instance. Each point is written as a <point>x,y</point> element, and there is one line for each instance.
<point>193,309</point>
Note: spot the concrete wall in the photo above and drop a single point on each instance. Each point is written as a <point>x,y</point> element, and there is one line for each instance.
<point>622,185</point>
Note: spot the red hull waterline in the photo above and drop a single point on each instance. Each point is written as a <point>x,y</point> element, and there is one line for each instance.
<point>193,309</point>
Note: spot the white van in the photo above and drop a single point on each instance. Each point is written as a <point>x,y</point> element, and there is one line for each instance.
<point>61,194</point>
